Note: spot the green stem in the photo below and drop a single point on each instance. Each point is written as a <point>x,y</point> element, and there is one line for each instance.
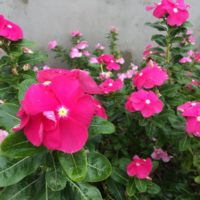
<point>169,45</point>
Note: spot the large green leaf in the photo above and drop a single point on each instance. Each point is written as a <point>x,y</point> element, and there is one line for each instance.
<point>8,117</point>
<point>101,126</point>
<point>82,191</point>
<point>130,188</point>
<point>17,146</point>
<point>99,167</point>
<point>119,176</point>
<point>13,171</point>
<point>24,85</point>
<point>74,165</point>
<point>141,185</point>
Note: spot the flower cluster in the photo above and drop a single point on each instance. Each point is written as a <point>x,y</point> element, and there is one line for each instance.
<point>139,167</point>
<point>191,111</point>
<point>159,154</point>
<point>147,102</point>
<point>176,13</point>
<point>10,30</point>
<point>57,111</point>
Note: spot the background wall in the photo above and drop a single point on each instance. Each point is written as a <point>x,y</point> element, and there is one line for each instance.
<point>44,20</point>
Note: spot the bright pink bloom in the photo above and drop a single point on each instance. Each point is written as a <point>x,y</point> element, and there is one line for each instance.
<point>191,111</point>
<point>177,12</point>
<point>99,46</point>
<point>3,135</point>
<point>147,51</point>
<point>52,44</point>
<point>57,115</point>
<point>110,85</point>
<point>86,81</point>
<point>109,61</point>
<point>93,60</point>
<point>197,57</point>
<point>100,111</point>
<point>140,168</point>
<point>82,45</point>
<point>150,76</point>
<point>76,34</point>
<point>147,102</point>
<point>159,154</point>
<point>10,30</point>
<point>185,60</point>
<point>75,53</point>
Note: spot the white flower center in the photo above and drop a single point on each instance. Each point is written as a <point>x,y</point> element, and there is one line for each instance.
<point>63,112</point>
<point>140,74</point>
<point>194,104</point>
<point>110,84</point>
<point>46,83</point>
<point>137,164</point>
<point>148,101</point>
<point>198,118</point>
<point>175,10</point>
<point>99,106</point>
<point>9,26</point>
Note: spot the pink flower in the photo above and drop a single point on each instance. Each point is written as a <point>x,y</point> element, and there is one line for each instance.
<point>57,115</point>
<point>191,40</point>
<point>147,51</point>
<point>76,34</point>
<point>189,32</point>
<point>109,61</point>
<point>114,29</point>
<point>192,83</point>
<point>197,57</point>
<point>10,30</point>
<point>130,73</point>
<point>176,12</point>
<point>105,75</point>
<point>140,168</point>
<point>52,44</point>
<point>150,76</point>
<point>45,67</point>
<point>120,61</point>
<point>190,53</point>
<point>99,46</point>
<point>93,60</point>
<point>134,67</point>
<point>82,45</point>
<point>159,154</point>
<point>3,135</point>
<point>86,53</point>
<point>100,111</point>
<point>191,111</point>
<point>110,85</point>
<point>147,102</point>
<point>185,60</point>
<point>121,76</point>
<point>87,82</point>
<point>75,53</point>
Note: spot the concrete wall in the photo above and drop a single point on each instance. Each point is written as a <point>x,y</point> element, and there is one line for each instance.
<point>44,20</point>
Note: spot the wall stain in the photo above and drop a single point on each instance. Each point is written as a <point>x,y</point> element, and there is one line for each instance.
<point>25,1</point>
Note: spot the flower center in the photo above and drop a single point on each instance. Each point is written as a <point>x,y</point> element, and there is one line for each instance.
<point>148,101</point>
<point>47,83</point>
<point>198,118</point>
<point>9,26</point>
<point>175,10</point>
<point>140,74</point>
<point>193,104</point>
<point>110,84</point>
<point>137,164</point>
<point>63,112</point>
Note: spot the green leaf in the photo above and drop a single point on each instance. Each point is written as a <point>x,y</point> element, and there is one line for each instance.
<point>131,188</point>
<point>17,146</point>
<point>99,167</point>
<point>82,191</point>
<point>55,179</point>
<point>153,188</point>
<point>8,117</point>
<point>24,85</point>
<point>74,165</point>
<point>119,176</point>
<point>184,143</point>
<point>197,179</point>
<point>141,185</point>
<point>13,171</point>
<point>101,126</point>
<point>159,39</point>
<point>156,25</point>
<point>33,59</point>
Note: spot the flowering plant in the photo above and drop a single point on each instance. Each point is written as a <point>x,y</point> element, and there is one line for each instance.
<point>103,128</point>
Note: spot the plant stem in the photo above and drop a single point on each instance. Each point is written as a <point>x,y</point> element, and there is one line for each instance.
<point>169,45</point>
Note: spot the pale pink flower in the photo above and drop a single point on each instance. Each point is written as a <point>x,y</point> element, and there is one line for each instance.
<point>52,44</point>
<point>191,40</point>
<point>189,32</point>
<point>130,73</point>
<point>114,29</point>
<point>82,45</point>
<point>93,60</point>
<point>76,33</point>
<point>86,53</point>
<point>3,135</point>
<point>75,53</point>
<point>159,154</point>
<point>185,60</point>
<point>120,61</point>
<point>99,46</point>
<point>45,67</point>
<point>105,75</point>
<point>122,76</point>
<point>190,53</point>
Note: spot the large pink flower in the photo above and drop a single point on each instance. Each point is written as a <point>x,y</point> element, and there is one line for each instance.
<point>58,114</point>
<point>110,85</point>
<point>87,82</point>
<point>10,30</point>
<point>191,111</point>
<point>152,75</point>
<point>141,168</point>
<point>147,102</point>
<point>176,12</point>
<point>109,61</point>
